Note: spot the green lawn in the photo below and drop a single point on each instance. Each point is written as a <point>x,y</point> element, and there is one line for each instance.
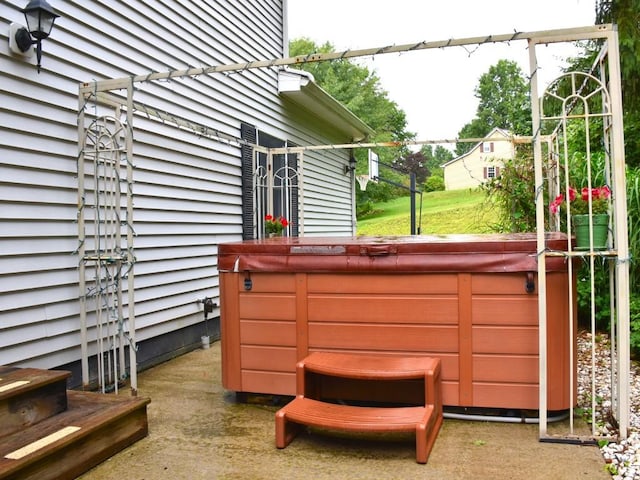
<point>458,211</point>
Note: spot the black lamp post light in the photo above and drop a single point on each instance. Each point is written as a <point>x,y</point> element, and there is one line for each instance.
<point>40,17</point>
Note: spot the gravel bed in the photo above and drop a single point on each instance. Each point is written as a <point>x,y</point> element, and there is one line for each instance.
<point>622,458</point>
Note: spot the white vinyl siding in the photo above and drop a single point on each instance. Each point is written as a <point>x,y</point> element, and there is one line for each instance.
<point>187,188</point>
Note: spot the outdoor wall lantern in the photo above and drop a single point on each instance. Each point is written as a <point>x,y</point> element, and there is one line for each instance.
<point>40,17</point>
<point>352,165</point>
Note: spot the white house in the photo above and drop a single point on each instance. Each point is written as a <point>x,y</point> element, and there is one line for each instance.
<point>481,163</point>
<point>195,172</point>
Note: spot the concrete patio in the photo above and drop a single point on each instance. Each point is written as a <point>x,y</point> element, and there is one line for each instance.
<point>199,431</point>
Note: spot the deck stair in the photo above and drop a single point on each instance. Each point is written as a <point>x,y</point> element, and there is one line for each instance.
<point>49,432</point>
<point>312,407</point>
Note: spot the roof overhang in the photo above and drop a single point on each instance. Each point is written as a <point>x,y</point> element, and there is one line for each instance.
<point>300,88</point>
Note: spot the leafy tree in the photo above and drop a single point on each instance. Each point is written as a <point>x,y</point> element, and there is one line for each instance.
<point>415,163</point>
<point>503,94</point>
<point>435,158</point>
<point>360,91</point>
<point>626,14</point>
<point>442,155</point>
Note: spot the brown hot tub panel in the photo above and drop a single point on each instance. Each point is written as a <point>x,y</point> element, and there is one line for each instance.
<point>470,301</point>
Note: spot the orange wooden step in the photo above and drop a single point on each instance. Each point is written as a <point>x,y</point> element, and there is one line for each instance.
<point>372,367</point>
<point>93,428</point>
<point>308,408</point>
<point>29,395</point>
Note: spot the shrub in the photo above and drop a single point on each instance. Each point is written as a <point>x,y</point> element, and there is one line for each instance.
<point>602,296</point>
<point>513,193</point>
<point>364,208</point>
<point>434,183</point>
<point>634,316</point>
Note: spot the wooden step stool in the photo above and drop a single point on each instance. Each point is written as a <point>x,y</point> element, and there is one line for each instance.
<point>311,408</point>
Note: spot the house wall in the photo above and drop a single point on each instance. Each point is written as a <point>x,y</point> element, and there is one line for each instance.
<point>467,171</point>
<point>187,188</point>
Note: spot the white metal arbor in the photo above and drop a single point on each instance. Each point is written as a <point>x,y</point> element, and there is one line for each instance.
<point>608,74</point>
<point>105,247</point>
<point>590,102</point>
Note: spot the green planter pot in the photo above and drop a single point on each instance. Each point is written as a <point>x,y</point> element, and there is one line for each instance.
<point>600,231</point>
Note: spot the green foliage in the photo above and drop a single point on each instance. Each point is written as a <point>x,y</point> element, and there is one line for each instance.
<point>626,15</point>
<point>364,208</point>
<point>503,94</point>
<point>435,158</point>
<point>435,183</point>
<point>611,468</point>
<point>513,193</point>
<point>602,299</point>
<point>634,312</point>
<point>633,225</point>
<point>360,91</point>
<point>415,163</point>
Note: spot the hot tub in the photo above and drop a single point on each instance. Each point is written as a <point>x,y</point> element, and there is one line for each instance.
<point>470,300</point>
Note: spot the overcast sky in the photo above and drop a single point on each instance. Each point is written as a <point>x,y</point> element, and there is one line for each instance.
<point>435,87</point>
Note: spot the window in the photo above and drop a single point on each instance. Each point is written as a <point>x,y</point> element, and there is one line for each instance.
<point>269,183</point>
<point>491,172</point>
<point>487,147</point>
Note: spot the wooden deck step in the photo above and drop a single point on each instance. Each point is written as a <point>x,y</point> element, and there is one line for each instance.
<point>93,428</point>
<point>29,395</point>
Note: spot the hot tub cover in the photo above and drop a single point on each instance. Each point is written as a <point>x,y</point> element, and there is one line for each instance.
<point>401,254</point>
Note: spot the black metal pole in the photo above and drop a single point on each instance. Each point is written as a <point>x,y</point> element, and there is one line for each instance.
<point>412,187</point>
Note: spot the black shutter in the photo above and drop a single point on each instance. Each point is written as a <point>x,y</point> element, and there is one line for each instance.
<point>249,134</point>
<point>292,162</point>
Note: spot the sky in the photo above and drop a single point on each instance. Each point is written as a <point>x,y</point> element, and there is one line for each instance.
<point>435,87</point>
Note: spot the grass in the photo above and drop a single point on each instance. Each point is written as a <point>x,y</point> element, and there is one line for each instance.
<point>457,211</point>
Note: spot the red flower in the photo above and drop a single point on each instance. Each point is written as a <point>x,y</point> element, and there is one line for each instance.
<point>580,204</point>
<point>274,225</point>
<point>555,205</point>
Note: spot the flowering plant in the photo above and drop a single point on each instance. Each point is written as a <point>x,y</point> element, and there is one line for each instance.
<point>274,225</point>
<point>580,203</point>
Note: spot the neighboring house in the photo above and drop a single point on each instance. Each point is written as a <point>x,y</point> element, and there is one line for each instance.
<point>190,191</point>
<point>479,164</point>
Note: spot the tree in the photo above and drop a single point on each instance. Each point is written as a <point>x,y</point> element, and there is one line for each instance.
<point>441,155</point>
<point>626,14</point>
<point>356,88</point>
<point>415,163</point>
<point>435,158</point>
<point>360,91</point>
<point>503,94</point>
